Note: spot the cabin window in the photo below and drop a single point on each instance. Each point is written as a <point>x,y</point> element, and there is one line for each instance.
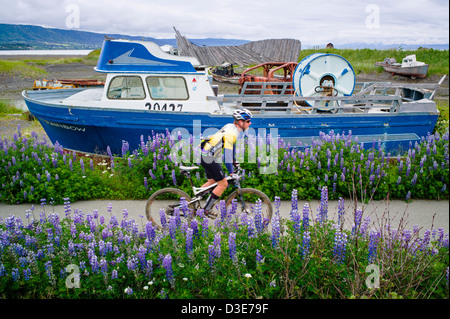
<point>126,88</point>
<point>167,88</point>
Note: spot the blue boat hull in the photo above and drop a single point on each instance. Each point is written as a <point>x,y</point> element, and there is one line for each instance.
<point>92,130</point>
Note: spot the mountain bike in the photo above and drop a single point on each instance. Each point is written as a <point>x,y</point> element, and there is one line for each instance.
<point>170,200</point>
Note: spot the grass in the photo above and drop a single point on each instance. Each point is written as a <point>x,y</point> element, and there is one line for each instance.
<point>20,68</point>
<point>32,68</point>
<point>6,107</point>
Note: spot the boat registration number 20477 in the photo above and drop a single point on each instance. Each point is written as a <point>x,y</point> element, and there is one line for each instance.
<point>164,107</point>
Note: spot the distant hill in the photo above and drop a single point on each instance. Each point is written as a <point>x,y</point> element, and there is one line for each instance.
<point>19,37</point>
<point>26,37</point>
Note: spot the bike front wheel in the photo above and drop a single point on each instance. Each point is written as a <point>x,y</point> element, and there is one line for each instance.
<point>168,200</point>
<point>247,200</point>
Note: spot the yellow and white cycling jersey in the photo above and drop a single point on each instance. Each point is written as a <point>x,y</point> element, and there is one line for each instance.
<point>225,138</point>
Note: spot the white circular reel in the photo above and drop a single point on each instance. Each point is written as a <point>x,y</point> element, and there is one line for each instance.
<point>324,75</point>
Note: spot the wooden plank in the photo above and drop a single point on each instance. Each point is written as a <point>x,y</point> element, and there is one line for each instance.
<point>256,52</point>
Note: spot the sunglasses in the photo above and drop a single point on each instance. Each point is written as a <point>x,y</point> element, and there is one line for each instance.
<point>248,121</point>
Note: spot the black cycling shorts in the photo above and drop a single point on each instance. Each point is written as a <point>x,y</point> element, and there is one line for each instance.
<point>212,168</point>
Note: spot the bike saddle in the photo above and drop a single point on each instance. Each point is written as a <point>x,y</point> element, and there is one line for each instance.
<point>188,168</point>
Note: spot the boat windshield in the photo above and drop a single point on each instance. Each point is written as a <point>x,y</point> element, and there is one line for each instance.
<point>167,88</point>
<point>126,88</point>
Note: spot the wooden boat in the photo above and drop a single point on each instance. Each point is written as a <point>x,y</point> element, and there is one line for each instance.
<point>225,73</point>
<point>409,67</point>
<point>148,91</point>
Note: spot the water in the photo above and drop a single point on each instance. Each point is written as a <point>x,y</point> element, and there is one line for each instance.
<point>45,52</point>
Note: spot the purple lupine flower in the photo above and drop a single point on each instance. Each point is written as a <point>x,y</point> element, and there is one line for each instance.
<point>373,243</point>
<point>408,195</point>
<point>340,246</point>
<point>259,257</point>
<point>357,221</point>
<point>294,200</point>
<point>306,243</point>
<point>217,245</point>
<point>211,255</point>
<point>414,179</point>
<point>125,148</point>
<point>341,212</point>
<point>232,246</point>
<point>250,226</point>
<point>128,291</point>
<point>141,257</point>
<point>305,217</point>
<point>258,216</point>
<point>15,274</point>
<point>172,227</point>
<point>132,263</point>
<point>194,226</point>
<point>323,209</point>
<point>435,165</point>
<point>189,241</point>
<point>275,230</point>
<point>205,225</point>
<point>174,177</point>
<point>162,216</point>
<point>49,269</point>
<point>27,274</point>
<point>151,174</point>
<point>295,217</point>
<point>223,211</point>
<point>425,241</point>
<point>145,183</point>
<point>167,264</point>
<point>185,207</point>
<point>103,266</point>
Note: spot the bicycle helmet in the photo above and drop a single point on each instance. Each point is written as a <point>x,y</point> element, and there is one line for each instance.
<point>242,115</point>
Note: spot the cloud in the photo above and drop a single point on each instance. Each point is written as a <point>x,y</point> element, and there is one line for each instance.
<point>337,21</point>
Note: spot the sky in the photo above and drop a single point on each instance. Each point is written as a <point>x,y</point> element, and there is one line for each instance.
<point>312,22</point>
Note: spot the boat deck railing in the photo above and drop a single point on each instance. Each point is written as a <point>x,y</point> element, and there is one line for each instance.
<point>368,97</point>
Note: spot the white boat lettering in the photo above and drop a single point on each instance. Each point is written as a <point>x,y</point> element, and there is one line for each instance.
<point>67,127</point>
<point>164,107</point>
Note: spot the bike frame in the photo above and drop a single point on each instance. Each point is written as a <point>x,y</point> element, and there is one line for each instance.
<point>199,192</point>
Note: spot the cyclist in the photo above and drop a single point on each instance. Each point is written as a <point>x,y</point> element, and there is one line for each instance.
<point>211,148</point>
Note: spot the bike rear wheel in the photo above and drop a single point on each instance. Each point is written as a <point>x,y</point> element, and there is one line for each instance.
<point>169,200</point>
<point>247,204</point>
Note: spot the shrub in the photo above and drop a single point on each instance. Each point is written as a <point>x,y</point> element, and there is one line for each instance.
<point>32,169</point>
